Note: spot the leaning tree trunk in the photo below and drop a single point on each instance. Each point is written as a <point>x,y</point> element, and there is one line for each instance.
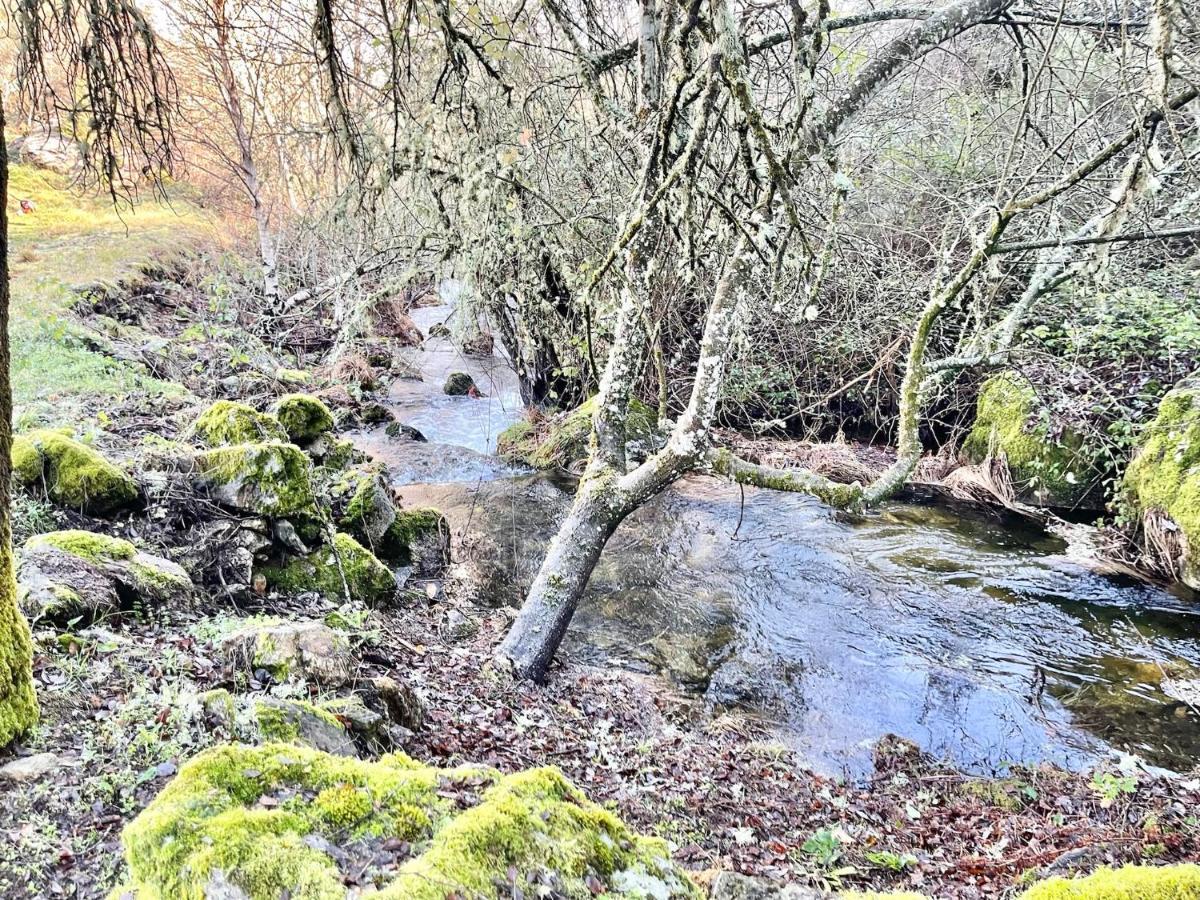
<point>18,704</point>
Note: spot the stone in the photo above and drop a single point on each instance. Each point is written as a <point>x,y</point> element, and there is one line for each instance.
<point>273,821</point>
<point>25,769</point>
<point>401,432</point>
<point>372,413</point>
<point>459,384</point>
<point>482,344</point>
<point>73,475</point>
<point>333,569</point>
<point>311,651</point>
<point>270,479</point>
<point>563,441</point>
<point>64,574</point>
<point>49,150</point>
<point>732,886</point>
<point>402,703</point>
<point>226,423</point>
<point>304,417</point>
<point>302,723</point>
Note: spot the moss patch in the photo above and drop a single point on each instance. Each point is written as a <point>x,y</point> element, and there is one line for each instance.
<point>565,439</point>
<point>1165,474</point>
<point>468,828</point>
<point>95,548</point>
<point>303,417</point>
<point>226,423</point>
<point>369,580</point>
<point>74,475</point>
<point>18,703</point>
<point>1180,882</point>
<point>1048,470</point>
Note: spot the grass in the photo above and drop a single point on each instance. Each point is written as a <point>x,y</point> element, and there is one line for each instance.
<point>73,239</point>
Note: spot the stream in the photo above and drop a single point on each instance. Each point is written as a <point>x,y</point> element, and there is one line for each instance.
<point>987,642</point>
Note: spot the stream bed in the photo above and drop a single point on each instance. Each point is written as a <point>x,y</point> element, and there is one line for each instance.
<point>984,641</point>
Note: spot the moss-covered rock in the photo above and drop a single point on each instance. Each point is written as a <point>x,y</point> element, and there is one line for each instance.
<point>459,384</point>
<point>304,417</point>
<point>227,422</point>
<point>271,479</point>
<point>1046,470</point>
<point>419,538</point>
<point>64,574</point>
<point>1181,882</point>
<point>1165,474</point>
<point>468,828</point>
<point>365,505</point>
<point>297,722</point>
<point>563,441</point>
<point>308,650</point>
<point>72,474</point>
<point>367,579</point>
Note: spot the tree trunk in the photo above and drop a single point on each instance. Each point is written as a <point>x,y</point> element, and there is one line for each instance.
<point>534,637</point>
<point>18,704</point>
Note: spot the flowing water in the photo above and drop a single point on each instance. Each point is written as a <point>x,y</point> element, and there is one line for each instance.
<point>984,641</point>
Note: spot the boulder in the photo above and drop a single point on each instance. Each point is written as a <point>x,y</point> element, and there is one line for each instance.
<point>311,651</point>
<point>368,511</point>
<point>1046,470</point>
<point>228,422</point>
<point>401,432</point>
<point>270,479</point>
<point>65,574</point>
<point>25,769</point>
<point>1162,484</point>
<point>334,568</point>
<point>72,474</point>
<point>563,441</point>
<point>304,417</point>
<point>404,537</point>
<point>459,384</point>
<point>49,150</point>
<point>400,701</point>
<point>298,722</point>
<point>732,886</point>
<point>482,344</point>
<point>267,822</point>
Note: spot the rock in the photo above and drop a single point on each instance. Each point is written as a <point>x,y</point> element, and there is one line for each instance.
<point>25,769</point>
<point>439,330</point>
<point>311,650</point>
<point>402,704</point>
<point>228,422</point>
<point>230,815</point>
<point>563,440</point>
<point>459,384</point>
<point>400,431</point>
<point>223,553</point>
<point>48,150</point>
<point>284,534</point>
<point>372,413</point>
<point>1162,483</point>
<point>322,571</point>
<point>1143,882</point>
<point>419,538</point>
<point>219,709</point>
<point>331,452</point>
<point>304,417</point>
<point>65,574</point>
<point>1047,471</point>
<point>731,886</point>
<point>412,537</point>
<point>72,474</point>
<point>271,479</point>
<point>482,344</point>
<point>298,722</point>
<point>369,510</point>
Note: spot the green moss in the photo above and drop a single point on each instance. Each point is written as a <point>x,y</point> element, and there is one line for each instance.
<point>74,475</point>
<point>1165,474</point>
<point>1006,422</point>
<point>369,580</point>
<point>95,548</point>
<point>227,422</point>
<point>565,439</point>
<point>271,479</point>
<point>18,703</point>
<point>1181,882</point>
<point>209,820</point>
<point>370,510</point>
<point>410,527</point>
<point>458,384</point>
<point>304,417</point>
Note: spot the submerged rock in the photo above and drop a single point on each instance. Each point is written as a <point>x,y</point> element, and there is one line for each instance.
<point>65,574</point>
<point>72,474</point>
<point>310,650</point>
<point>228,422</point>
<point>332,570</point>
<point>459,384</point>
<point>1163,482</point>
<point>270,479</point>
<point>401,432</point>
<point>1046,470</point>
<point>304,417</point>
<point>281,820</point>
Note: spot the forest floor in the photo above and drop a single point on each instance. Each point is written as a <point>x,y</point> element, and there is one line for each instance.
<point>122,711</point>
